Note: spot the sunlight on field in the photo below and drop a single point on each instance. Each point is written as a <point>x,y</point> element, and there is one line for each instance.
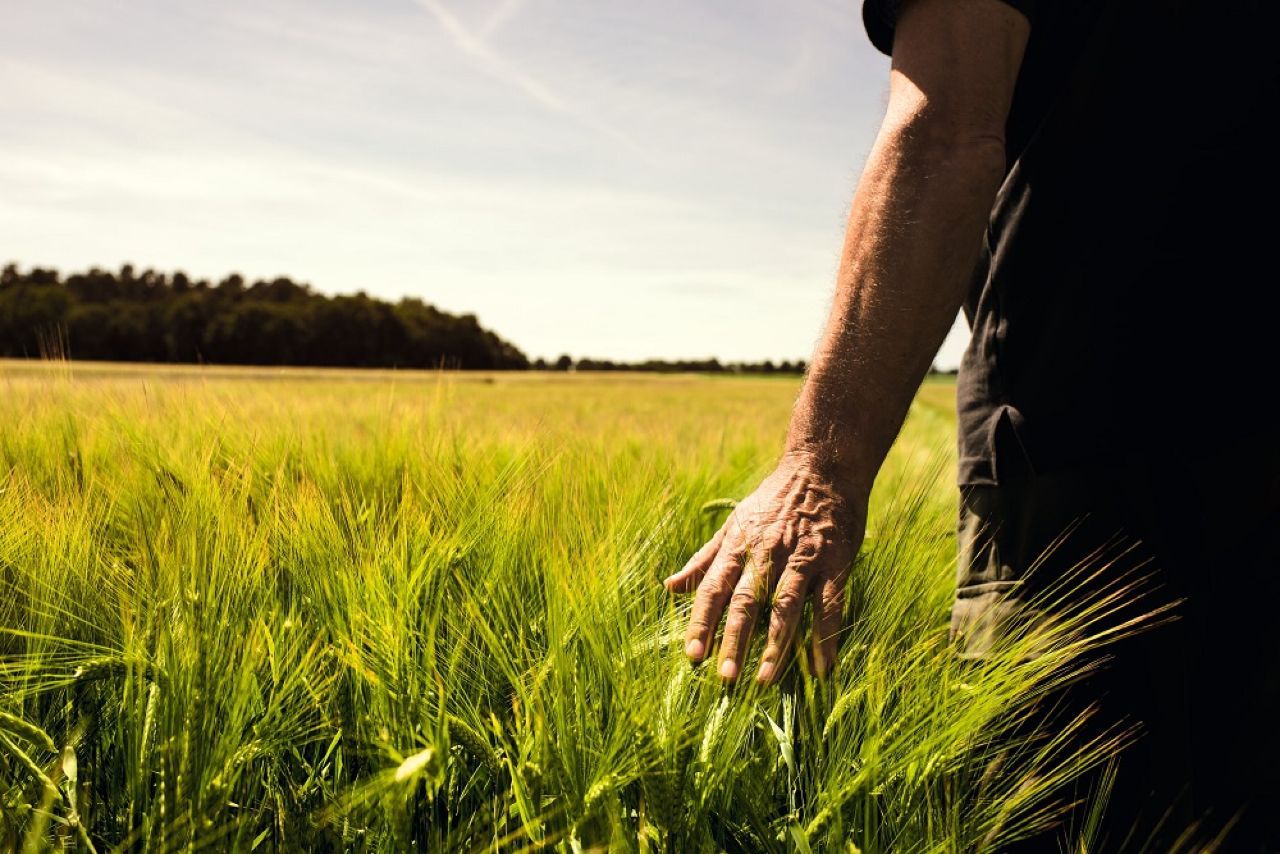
<point>370,610</point>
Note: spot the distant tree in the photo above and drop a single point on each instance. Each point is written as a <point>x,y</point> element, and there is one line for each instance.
<point>231,287</point>
<point>184,322</point>
<point>31,312</point>
<point>95,286</point>
<point>151,316</point>
<point>278,290</point>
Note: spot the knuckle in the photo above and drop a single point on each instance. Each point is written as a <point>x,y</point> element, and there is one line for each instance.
<point>760,557</point>
<point>780,551</point>
<point>742,603</point>
<point>785,601</point>
<point>773,651</point>
<point>737,527</point>
<point>802,561</point>
<point>721,587</point>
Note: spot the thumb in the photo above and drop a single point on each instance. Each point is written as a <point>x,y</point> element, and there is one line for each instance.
<point>686,580</point>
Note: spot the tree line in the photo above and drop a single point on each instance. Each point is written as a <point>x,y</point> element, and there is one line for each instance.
<point>151,316</point>
<point>133,315</point>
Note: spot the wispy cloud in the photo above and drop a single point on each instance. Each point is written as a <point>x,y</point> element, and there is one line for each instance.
<point>504,13</point>
<point>496,65</point>
<point>599,177</point>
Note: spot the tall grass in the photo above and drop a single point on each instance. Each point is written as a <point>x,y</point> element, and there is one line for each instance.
<point>372,612</point>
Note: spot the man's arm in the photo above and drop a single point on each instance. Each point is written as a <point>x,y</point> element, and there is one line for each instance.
<point>912,240</point>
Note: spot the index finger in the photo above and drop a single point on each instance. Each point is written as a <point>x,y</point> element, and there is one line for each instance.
<point>709,603</point>
<point>687,579</point>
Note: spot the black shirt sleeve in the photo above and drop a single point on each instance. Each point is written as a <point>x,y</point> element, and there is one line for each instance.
<point>880,16</point>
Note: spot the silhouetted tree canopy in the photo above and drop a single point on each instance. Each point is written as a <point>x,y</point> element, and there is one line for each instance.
<point>149,316</point>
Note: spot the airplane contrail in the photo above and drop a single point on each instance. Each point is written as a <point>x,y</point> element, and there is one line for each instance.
<point>499,18</point>
<point>500,68</point>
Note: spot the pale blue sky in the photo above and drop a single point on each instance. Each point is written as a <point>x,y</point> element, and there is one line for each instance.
<point>614,179</point>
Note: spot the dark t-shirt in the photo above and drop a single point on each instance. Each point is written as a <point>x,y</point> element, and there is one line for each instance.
<point>1125,303</point>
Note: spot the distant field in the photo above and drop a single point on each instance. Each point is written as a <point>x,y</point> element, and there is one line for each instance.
<point>301,610</point>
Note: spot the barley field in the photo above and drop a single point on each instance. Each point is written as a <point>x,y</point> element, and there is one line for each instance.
<point>326,611</point>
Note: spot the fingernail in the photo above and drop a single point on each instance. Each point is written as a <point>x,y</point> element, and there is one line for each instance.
<point>766,671</point>
<point>694,649</point>
<point>728,669</point>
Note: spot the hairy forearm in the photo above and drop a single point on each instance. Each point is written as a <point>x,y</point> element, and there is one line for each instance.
<point>912,240</point>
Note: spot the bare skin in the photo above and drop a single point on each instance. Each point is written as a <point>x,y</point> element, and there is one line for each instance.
<point>913,235</point>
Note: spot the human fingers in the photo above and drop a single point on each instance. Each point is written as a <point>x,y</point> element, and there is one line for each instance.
<point>744,614</point>
<point>713,594</point>
<point>828,621</point>
<point>784,619</point>
<point>686,579</point>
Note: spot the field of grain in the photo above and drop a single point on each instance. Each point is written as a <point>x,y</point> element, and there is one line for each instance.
<point>273,610</point>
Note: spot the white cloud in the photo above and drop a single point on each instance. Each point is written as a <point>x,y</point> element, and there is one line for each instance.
<point>478,49</point>
<point>591,176</point>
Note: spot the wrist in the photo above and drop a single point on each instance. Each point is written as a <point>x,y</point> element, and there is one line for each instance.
<point>841,434</point>
<point>834,463</point>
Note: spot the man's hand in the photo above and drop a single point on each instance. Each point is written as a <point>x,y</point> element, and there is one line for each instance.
<point>791,540</point>
<point>915,227</point>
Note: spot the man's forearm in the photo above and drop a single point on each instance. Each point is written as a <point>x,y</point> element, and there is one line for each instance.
<point>912,240</point>
<point>914,232</point>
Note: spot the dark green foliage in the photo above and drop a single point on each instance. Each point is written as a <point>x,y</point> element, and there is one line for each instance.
<point>154,317</point>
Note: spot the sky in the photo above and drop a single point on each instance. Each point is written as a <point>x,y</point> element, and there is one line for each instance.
<point>603,178</point>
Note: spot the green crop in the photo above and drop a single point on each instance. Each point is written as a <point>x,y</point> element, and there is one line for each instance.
<point>340,611</point>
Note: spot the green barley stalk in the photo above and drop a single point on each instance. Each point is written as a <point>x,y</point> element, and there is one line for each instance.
<point>268,595</point>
